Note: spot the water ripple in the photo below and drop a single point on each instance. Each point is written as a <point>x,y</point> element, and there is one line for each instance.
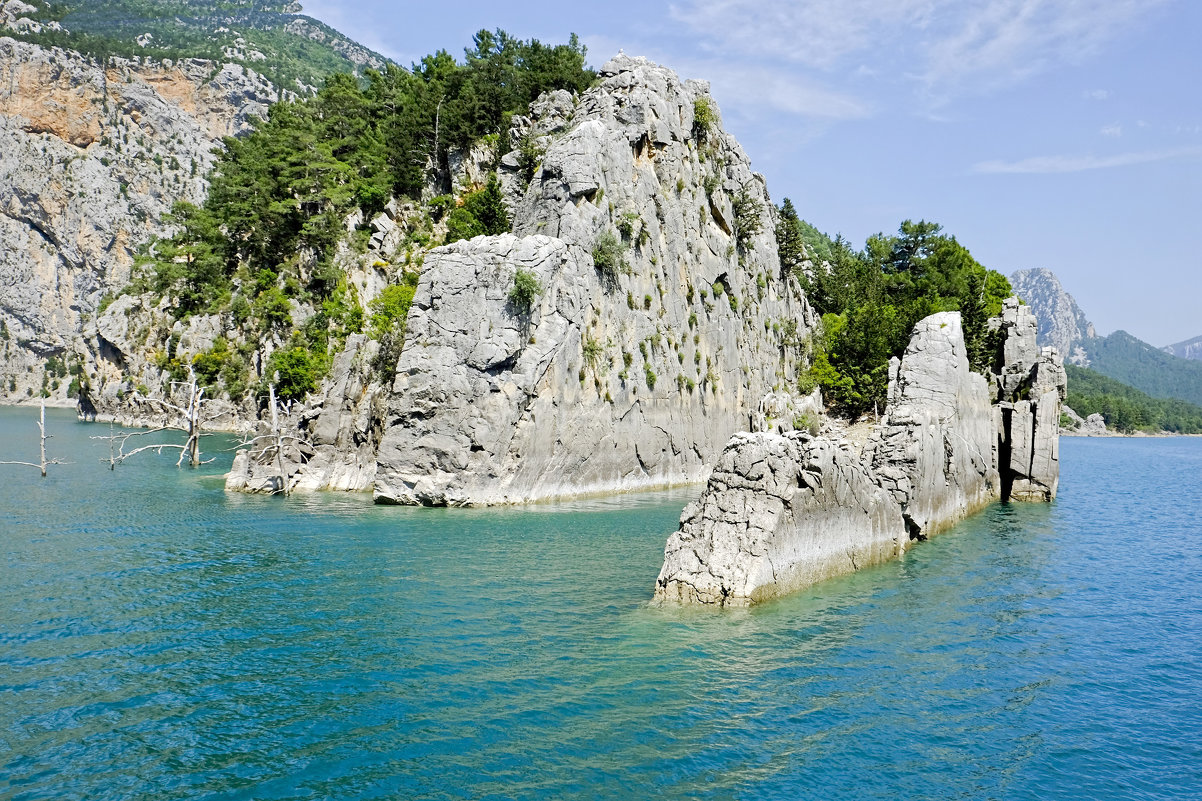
<point>159,639</point>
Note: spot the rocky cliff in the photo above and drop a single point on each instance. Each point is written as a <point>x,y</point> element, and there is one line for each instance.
<point>781,512</point>
<point>1189,349</point>
<point>935,447</point>
<point>91,157</point>
<point>1062,324</point>
<point>1029,389</point>
<point>662,319</point>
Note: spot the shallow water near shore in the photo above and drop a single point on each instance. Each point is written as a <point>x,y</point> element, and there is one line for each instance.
<point>161,639</point>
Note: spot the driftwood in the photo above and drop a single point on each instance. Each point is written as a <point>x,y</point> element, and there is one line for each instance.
<point>41,465</point>
<point>192,413</point>
<point>273,444</point>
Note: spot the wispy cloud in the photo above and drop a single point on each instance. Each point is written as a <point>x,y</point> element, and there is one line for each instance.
<point>947,46</point>
<point>1097,94</point>
<point>1112,130</point>
<point>1042,165</point>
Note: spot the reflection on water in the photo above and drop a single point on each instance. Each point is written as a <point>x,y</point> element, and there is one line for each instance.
<point>160,639</point>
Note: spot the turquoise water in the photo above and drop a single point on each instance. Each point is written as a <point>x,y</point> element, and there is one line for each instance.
<point>160,639</point>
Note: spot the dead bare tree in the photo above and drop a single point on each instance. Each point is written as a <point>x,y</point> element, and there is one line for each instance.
<point>273,444</point>
<point>44,462</point>
<point>192,417</point>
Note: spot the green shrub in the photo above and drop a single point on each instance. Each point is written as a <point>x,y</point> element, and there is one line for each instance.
<point>608,258</point>
<point>530,155</point>
<point>294,371</point>
<point>526,287</point>
<point>747,210</point>
<point>705,118</point>
<point>390,309</point>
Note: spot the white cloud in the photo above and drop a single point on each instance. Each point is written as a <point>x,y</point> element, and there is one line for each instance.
<point>1097,94</point>
<point>1112,130</point>
<point>763,88</point>
<point>1041,165</point>
<point>947,45</point>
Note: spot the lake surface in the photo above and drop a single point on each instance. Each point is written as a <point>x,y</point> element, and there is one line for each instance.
<point>161,639</point>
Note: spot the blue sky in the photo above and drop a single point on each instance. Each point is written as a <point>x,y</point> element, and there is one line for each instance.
<point>1064,134</point>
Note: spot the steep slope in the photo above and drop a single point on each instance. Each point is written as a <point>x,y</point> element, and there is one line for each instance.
<point>1062,324</point>
<point>292,50</point>
<point>1145,367</point>
<point>662,321</point>
<point>1189,349</point>
<point>91,157</point>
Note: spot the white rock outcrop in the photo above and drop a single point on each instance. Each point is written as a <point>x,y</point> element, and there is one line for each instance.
<point>616,379</point>
<point>781,512</point>
<point>1029,391</point>
<point>934,448</point>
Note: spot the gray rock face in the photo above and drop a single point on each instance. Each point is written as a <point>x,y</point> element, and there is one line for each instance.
<point>1030,390</point>
<point>623,381</point>
<point>90,157</point>
<point>1094,426</point>
<point>1189,349</point>
<point>1061,323</point>
<point>330,445</point>
<point>780,512</point>
<point>783,512</point>
<point>934,447</point>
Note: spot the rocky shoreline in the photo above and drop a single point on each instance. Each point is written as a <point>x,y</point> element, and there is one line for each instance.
<point>783,511</point>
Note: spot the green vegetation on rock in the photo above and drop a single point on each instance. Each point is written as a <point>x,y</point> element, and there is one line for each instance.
<point>265,246</point>
<point>870,300</point>
<point>274,39</point>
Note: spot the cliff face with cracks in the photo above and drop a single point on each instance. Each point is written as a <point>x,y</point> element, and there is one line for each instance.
<point>91,156</point>
<point>614,379</point>
<point>781,512</point>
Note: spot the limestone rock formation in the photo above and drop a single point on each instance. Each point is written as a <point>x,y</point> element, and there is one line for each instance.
<point>91,156</point>
<point>640,358</point>
<point>1029,390</point>
<point>1062,324</point>
<point>780,512</point>
<point>1094,426</point>
<point>329,444</point>
<point>934,447</point>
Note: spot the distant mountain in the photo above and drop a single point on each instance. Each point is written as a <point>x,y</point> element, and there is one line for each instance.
<point>1189,349</point>
<point>1062,324</point>
<point>294,51</point>
<point>1145,367</point>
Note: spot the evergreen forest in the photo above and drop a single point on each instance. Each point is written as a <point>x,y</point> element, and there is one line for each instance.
<point>1125,408</point>
<point>871,298</point>
<point>279,198</point>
